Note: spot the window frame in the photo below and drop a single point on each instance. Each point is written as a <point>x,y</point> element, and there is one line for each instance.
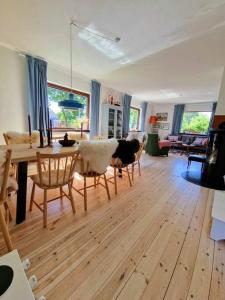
<point>138,120</point>
<point>68,90</point>
<point>194,134</point>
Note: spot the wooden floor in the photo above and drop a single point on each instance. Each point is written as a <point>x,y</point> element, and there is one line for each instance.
<point>149,242</point>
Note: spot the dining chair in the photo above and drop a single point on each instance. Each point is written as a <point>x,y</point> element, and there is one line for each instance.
<point>58,174</point>
<point>137,160</point>
<point>94,158</point>
<point>8,186</point>
<point>118,169</point>
<point>78,136</point>
<point>15,138</point>
<point>122,160</point>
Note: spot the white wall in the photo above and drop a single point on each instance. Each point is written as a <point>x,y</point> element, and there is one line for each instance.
<point>220,109</point>
<point>206,106</point>
<point>164,108</point>
<point>13,92</point>
<point>62,77</point>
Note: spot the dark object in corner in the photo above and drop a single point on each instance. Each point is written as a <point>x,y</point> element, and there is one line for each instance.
<point>6,275</point>
<point>214,168</point>
<point>222,126</point>
<point>126,151</point>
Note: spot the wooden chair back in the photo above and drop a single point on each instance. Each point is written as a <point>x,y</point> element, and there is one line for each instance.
<point>59,168</point>
<point>139,153</point>
<point>5,176</point>
<point>20,137</point>
<point>6,138</point>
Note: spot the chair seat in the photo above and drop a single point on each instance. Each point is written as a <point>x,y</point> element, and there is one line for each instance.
<point>118,166</point>
<point>90,174</point>
<point>197,158</point>
<point>57,178</point>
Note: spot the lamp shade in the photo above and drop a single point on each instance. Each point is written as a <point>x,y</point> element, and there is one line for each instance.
<point>152,120</point>
<point>70,103</point>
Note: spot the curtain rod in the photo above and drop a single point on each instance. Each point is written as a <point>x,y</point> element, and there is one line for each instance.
<point>23,53</point>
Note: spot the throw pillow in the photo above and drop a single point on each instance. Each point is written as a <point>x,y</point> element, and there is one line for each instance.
<point>187,139</point>
<point>173,138</point>
<point>205,141</point>
<point>198,141</point>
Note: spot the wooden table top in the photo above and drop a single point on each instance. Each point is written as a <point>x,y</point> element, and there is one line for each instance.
<point>22,152</point>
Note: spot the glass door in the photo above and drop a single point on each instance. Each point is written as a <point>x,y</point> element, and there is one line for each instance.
<point>111,123</point>
<point>119,124</point>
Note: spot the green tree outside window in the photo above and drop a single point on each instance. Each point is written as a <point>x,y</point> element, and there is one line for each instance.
<point>66,118</point>
<point>195,122</point>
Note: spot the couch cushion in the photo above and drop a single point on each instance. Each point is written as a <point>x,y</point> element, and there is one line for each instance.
<point>198,141</point>
<point>187,139</point>
<point>205,142</point>
<point>173,138</point>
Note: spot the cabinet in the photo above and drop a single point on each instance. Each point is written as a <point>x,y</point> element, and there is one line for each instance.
<point>112,121</point>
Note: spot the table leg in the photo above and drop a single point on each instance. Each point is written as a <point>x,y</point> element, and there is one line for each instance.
<point>21,193</point>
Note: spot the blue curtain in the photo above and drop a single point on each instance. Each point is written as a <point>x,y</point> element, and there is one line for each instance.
<point>126,114</point>
<point>177,118</point>
<point>213,114</point>
<point>143,114</point>
<point>95,103</point>
<point>37,92</point>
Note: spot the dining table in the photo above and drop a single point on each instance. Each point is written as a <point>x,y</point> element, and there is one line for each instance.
<point>22,154</point>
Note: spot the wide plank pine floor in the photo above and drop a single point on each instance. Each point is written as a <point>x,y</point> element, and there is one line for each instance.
<point>149,242</point>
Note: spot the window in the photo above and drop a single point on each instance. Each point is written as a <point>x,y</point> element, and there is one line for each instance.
<point>67,118</point>
<point>195,122</point>
<point>134,118</point>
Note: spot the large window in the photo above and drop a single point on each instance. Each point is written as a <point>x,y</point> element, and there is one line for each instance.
<point>195,122</point>
<point>67,118</point>
<point>134,118</point>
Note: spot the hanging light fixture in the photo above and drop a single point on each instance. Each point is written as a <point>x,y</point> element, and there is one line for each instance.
<point>71,103</point>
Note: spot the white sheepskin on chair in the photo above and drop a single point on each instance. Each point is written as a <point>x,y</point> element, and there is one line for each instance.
<point>136,135</point>
<point>98,153</point>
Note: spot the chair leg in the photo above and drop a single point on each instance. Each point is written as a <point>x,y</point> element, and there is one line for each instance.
<point>128,173</point>
<point>115,180</point>
<point>45,211</point>
<point>85,194</point>
<point>107,187</point>
<point>61,194</point>
<point>5,231</point>
<point>8,215</point>
<point>139,167</point>
<point>95,181</point>
<point>132,172</point>
<point>32,197</point>
<point>71,198</point>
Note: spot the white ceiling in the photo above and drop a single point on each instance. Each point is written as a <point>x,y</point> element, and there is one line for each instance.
<point>170,50</point>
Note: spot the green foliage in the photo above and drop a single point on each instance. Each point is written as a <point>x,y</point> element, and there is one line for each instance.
<point>133,122</point>
<point>68,117</point>
<point>195,122</point>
